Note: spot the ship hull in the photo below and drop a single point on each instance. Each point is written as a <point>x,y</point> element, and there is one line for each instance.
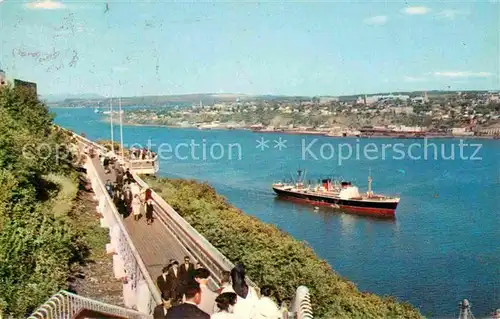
<point>373,208</point>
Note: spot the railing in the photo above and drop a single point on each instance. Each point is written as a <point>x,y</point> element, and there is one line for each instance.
<point>301,307</point>
<point>145,293</point>
<point>148,166</point>
<point>66,305</point>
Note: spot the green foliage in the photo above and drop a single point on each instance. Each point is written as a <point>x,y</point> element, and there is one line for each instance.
<point>272,256</point>
<point>38,244</point>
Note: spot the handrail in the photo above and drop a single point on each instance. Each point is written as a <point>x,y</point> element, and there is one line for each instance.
<point>142,267</point>
<point>301,304</point>
<point>64,305</point>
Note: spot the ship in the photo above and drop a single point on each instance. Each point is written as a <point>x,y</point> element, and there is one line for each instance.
<point>338,194</point>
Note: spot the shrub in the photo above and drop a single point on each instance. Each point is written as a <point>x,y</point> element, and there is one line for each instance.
<point>38,243</point>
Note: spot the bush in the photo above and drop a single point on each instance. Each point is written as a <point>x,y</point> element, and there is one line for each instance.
<point>272,256</point>
<point>38,243</point>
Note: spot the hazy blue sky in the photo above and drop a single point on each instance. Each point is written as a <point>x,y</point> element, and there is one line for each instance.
<point>323,48</point>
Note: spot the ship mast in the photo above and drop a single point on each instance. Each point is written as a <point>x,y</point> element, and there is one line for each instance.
<point>111,115</point>
<point>121,127</point>
<point>465,312</point>
<point>370,182</point>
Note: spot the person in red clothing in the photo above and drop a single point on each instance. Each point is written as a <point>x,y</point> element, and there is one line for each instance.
<point>148,194</point>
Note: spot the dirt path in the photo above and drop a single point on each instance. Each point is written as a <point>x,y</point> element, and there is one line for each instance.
<point>95,278</point>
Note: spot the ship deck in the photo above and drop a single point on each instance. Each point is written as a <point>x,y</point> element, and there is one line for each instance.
<point>335,195</point>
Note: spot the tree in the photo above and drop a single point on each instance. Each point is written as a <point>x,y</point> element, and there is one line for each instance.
<point>36,248</point>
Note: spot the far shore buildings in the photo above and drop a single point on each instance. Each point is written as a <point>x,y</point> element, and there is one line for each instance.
<point>367,100</point>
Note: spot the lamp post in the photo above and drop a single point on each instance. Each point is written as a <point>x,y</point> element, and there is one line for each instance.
<point>111,114</point>
<point>121,126</point>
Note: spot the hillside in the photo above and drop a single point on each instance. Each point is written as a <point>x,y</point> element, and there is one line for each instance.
<point>208,99</point>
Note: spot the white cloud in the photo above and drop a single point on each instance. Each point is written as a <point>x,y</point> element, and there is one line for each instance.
<point>376,20</point>
<point>416,10</point>
<point>414,79</point>
<point>461,74</point>
<point>451,13</point>
<point>45,5</point>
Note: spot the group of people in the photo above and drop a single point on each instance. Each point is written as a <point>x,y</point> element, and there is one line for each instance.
<point>127,194</point>
<point>141,154</point>
<point>186,294</point>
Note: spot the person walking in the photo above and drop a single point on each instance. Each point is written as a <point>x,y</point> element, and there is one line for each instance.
<point>265,307</point>
<point>247,296</point>
<point>163,282</point>
<point>225,305</point>
<point>149,212</point>
<point>106,165</point>
<point>109,188</point>
<point>160,311</point>
<point>136,207</point>
<point>175,283</point>
<point>189,309</point>
<point>187,270</point>
<point>127,194</point>
<point>207,303</point>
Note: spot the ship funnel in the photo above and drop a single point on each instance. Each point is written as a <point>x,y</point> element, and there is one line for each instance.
<point>326,183</point>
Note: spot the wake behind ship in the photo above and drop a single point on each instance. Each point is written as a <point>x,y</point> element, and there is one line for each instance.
<point>343,195</point>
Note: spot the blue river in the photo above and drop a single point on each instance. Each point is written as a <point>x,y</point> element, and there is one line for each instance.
<point>443,246</point>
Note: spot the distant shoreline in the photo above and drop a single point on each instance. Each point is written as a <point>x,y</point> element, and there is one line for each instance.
<point>401,136</point>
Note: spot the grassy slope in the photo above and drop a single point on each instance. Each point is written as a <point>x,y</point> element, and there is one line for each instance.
<point>272,256</point>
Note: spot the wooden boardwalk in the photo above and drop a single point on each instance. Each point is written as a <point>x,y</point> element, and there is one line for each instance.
<point>155,243</point>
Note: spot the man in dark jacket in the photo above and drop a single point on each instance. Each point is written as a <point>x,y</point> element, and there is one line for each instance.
<point>160,311</point>
<point>175,283</point>
<point>186,271</point>
<point>163,282</point>
<point>189,309</point>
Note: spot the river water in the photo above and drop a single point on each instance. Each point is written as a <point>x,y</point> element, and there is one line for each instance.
<point>443,246</point>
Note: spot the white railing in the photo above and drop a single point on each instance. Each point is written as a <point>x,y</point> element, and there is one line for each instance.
<point>66,305</point>
<point>139,289</point>
<point>147,166</point>
<point>301,307</point>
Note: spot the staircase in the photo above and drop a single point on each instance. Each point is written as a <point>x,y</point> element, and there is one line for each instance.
<point>66,305</point>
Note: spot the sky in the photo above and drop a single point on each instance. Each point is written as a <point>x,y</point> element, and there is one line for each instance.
<point>332,48</point>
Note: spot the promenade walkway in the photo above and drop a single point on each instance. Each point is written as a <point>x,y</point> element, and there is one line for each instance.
<point>156,244</point>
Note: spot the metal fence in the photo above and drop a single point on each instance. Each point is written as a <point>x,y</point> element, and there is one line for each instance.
<point>66,305</point>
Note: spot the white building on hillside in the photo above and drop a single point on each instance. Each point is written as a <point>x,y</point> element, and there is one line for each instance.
<point>3,78</point>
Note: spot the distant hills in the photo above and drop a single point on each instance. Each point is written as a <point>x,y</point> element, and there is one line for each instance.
<point>61,97</point>
<point>93,100</point>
